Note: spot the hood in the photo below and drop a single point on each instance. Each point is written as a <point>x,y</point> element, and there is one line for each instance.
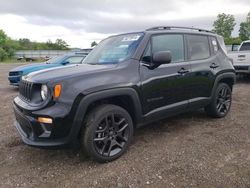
<point>61,73</point>
<point>26,69</point>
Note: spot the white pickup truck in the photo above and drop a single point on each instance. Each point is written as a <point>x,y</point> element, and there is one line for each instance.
<point>241,58</point>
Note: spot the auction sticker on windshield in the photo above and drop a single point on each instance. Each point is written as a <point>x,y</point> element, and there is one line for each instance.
<point>131,38</point>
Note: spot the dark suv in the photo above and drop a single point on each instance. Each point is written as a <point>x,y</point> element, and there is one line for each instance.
<point>127,81</point>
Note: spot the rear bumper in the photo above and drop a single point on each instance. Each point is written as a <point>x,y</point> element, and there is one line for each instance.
<point>42,135</point>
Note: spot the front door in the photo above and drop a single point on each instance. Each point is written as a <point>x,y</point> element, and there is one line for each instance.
<point>167,86</point>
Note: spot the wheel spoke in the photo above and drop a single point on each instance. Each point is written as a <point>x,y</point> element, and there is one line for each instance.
<point>117,144</point>
<point>122,138</point>
<point>104,147</point>
<point>123,128</point>
<point>110,147</point>
<point>227,101</point>
<point>220,105</point>
<point>112,120</point>
<point>224,92</point>
<point>121,121</point>
<point>107,121</point>
<point>102,139</point>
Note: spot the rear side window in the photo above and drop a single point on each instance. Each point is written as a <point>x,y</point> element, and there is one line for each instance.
<point>173,43</point>
<point>245,46</point>
<point>214,45</point>
<point>198,47</point>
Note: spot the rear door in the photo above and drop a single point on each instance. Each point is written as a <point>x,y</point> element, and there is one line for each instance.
<point>201,52</point>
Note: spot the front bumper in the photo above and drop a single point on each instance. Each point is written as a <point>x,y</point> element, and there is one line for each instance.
<point>242,69</point>
<point>14,80</point>
<point>43,135</point>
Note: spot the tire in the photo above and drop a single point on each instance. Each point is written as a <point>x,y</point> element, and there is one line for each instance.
<point>221,102</point>
<point>107,133</point>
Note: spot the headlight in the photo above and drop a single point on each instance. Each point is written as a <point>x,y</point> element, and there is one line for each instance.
<point>44,92</point>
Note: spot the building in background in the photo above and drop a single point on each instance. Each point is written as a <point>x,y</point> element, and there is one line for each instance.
<point>32,55</point>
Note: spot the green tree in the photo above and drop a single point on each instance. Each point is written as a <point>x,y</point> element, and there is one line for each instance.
<point>61,44</point>
<point>94,43</point>
<point>25,43</point>
<point>224,25</point>
<point>3,38</point>
<point>8,46</point>
<point>6,49</point>
<point>49,45</point>
<point>234,40</point>
<point>244,31</point>
<point>3,54</point>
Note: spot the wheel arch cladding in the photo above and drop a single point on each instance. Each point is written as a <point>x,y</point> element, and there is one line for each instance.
<point>228,78</point>
<point>126,98</point>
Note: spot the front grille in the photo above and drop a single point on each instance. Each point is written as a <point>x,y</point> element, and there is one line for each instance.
<point>24,123</point>
<point>14,73</point>
<point>25,90</point>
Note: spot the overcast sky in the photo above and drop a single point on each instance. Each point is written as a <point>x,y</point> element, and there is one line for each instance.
<point>79,22</point>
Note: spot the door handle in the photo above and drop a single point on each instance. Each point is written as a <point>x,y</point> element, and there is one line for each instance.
<point>183,71</point>
<point>214,66</point>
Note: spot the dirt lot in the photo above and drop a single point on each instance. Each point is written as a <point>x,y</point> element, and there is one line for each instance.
<point>189,150</point>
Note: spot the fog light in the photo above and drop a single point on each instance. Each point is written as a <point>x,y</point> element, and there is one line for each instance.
<point>45,120</point>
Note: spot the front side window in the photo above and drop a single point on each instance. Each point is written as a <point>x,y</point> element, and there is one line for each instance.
<point>245,46</point>
<point>198,47</point>
<point>169,42</point>
<point>114,49</point>
<point>74,60</point>
<point>54,60</point>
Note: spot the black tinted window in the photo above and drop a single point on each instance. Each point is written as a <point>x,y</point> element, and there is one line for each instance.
<point>198,47</point>
<point>172,43</point>
<point>245,46</point>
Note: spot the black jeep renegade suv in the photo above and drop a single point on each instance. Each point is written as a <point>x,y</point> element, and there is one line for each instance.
<point>127,81</point>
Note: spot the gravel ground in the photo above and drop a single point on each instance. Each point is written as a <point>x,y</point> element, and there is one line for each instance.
<point>189,150</point>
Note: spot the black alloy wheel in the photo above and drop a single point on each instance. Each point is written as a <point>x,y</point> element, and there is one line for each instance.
<point>107,134</point>
<point>223,100</point>
<point>111,135</point>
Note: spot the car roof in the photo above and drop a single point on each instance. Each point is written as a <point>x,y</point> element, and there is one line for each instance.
<point>174,29</point>
<point>179,29</point>
<point>246,41</point>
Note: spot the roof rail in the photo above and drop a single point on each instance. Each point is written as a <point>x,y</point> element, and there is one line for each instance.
<point>177,27</point>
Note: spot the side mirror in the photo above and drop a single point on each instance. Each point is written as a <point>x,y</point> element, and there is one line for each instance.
<point>161,57</point>
<point>235,47</point>
<point>65,63</point>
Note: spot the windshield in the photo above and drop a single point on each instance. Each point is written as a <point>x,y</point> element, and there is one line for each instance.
<point>245,46</point>
<point>56,59</point>
<point>114,49</point>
